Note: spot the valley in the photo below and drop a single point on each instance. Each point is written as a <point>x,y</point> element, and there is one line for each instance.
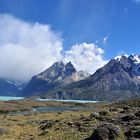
<point>116,115</point>
<point>69,70</point>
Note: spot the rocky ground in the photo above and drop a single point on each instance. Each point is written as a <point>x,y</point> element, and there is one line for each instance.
<point>116,121</point>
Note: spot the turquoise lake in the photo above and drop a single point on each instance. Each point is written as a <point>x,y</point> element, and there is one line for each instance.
<point>48,109</point>
<point>7,98</point>
<point>77,101</point>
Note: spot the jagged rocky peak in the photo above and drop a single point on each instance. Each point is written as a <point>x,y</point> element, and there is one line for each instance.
<point>59,64</point>
<point>58,69</point>
<point>121,57</point>
<point>117,80</point>
<point>69,69</point>
<point>59,74</point>
<point>130,63</point>
<point>133,58</point>
<point>70,66</point>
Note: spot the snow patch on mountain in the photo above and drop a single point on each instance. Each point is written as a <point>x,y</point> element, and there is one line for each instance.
<point>18,84</point>
<point>119,57</point>
<point>136,59</point>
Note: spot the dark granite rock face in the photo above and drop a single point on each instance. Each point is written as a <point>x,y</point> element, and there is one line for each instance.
<point>59,74</point>
<point>117,80</point>
<point>120,74</point>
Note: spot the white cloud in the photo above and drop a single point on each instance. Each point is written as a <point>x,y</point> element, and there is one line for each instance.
<point>27,49</point>
<point>136,1</point>
<point>86,57</point>
<point>105,40</point>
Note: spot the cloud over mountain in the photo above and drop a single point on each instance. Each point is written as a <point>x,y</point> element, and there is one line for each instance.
<point>86,56</point>
<point>28,48</point>
<point>25,48</point>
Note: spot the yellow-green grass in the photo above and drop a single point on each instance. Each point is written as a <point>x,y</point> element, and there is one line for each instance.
<point>18,127</point>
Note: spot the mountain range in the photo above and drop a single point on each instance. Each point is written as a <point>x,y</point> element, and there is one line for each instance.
<point>58,75</point>
<point>119,79</point>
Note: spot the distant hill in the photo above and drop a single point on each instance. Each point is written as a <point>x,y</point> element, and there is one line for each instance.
<point>9,87</point>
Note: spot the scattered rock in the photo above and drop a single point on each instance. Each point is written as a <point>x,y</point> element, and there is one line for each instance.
<point>129,117</point>
<point>137,134</point>
<point>45,124</point>
<point>59,113</point>
<point>56,121</point>
<point>128,132</point>
<point>135,123</point>
<point>122,111</point>
<point>3,131</point>
<point>31,137</point>
<point>57,128</point>
<point>103,113</point>
<point>82,117</point>
<point>43,133</point>
<point>113,109</point>
<point>70,123</point>
<point>105,131</point>
<point>87,119</point>
<point>137,114</point>
<point>77,124</point>
<point>94,115</point>
<point>33,122</point>
<point>83,129</point>
<point>126,107</point>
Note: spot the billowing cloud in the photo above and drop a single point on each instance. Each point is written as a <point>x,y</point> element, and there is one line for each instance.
<point>26,49</point>
<point>85,56</point>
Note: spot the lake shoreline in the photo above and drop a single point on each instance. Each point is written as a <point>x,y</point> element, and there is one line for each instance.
<point>30,104</point>
<point>8,98</point>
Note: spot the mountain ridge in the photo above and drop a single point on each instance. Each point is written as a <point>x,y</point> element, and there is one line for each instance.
<point>56,75</point>
<point>117,80</point>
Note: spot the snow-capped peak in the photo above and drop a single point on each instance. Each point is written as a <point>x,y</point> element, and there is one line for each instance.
<point>132,61</point>
<point>135,58</point>
<point>119,57</point>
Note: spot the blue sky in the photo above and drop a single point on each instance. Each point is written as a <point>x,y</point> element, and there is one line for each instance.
<point>113,25</point>
<point>85,21</point>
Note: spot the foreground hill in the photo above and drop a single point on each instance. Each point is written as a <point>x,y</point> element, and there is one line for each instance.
<point>117,80</point>
<point>100,121</point>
